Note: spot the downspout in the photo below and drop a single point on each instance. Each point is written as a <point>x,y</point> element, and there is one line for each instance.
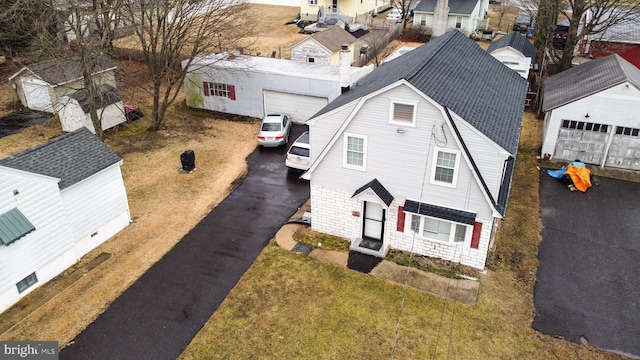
<point>473,164</point>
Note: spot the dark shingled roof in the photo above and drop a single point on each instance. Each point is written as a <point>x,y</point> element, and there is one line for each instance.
<point>455,6</point>
<point>455,72</point>
<point>333,38</point>
<point>377,188</point>
<point>106,96</point>
<point>60,71</point>
<point>439,212</point>
<point>71,158</point>
<point>587,79</point>
<point>516,41</point>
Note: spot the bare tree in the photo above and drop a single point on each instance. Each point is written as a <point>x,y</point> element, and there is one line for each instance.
<point>22,23</point>
<point>170,32</point>
<point>503,8</point>
<point>377,41</point>
<point>590,17</point>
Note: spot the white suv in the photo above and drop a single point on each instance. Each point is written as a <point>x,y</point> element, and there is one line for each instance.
<point>298,154</point>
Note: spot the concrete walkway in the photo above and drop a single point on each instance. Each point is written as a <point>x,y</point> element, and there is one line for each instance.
<point>461,290</point>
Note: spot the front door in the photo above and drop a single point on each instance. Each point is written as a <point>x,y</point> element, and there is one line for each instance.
<point>373,227</point>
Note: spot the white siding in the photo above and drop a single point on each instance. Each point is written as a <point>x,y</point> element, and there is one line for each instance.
<point>299,107</point>
<point>402,163</point>
<point>310,48</point>
<point>249,86</point>
<point>617,106</point>
<point>49,247</point>
<point>72,117</point>
<point>322,133</point>
<point>514,60</point>
<point>399,161</point>
<point>94,202</point>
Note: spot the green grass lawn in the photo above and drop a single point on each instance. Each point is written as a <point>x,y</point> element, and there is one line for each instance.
<point>289,306</point>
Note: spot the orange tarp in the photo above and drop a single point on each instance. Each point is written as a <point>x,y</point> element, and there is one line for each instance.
<point>580,176</point>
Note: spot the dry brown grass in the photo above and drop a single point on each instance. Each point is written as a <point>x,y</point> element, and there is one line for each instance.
<point>278,38</point>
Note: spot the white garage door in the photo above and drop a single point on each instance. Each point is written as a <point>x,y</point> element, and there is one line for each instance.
<point>582,140</point>
<point>37,96</point>
<point>299,107</point>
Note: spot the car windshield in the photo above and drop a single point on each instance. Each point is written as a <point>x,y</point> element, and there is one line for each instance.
<point>271,127</point>
<point>295,150</point>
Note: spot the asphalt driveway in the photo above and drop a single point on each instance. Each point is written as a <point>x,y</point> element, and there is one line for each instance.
<point>588,283</point>
<point>157,316</point>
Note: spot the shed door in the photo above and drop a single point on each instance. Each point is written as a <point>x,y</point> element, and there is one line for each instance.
<point>582,140</point>
<point>37,96</point>
<point>299,107</point>
<point>624,151</point>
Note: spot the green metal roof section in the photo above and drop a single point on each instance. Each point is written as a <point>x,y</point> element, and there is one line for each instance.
<point>13,226</point>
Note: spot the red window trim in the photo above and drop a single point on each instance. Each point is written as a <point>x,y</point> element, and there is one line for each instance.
<point>401,217</point>
<point>475,238</point>
<point>205,86</point>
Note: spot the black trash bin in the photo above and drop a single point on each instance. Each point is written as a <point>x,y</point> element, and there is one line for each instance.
<point>188,160</point>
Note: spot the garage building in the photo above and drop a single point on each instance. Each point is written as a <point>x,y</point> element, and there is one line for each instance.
<point>255,86</point>
<point>592,113</point>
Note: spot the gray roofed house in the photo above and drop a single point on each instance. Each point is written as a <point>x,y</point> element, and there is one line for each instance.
<point>421,148</point>
<point>61,199</point>
<point>516,41</point>
<point>591,114</point>
<point>515,51</point>
<point>588,78</point>
<point>455,6</point>
<point>465,15</point>
<point>438,70</point>
<point>71,158</point>
<point>323,48</point>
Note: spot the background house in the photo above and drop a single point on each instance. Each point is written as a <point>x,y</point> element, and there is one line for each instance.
<point>74,109</point>
<point>40,86</point>
<point>256,86</point>
<point>323,48</point>
<point>350,12</point>
<point>443,15</point>
<point>416,157</point>
<point>592,114</point>
<point>58,201</point>
<point>515,51</point>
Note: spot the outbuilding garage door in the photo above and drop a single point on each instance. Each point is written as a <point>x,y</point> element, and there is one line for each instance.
<point>299,107</point>
<point>582,140</point>
<point>624,151</point>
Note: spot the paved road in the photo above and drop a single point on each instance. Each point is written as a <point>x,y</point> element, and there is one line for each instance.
<point>157,317</point>
<point>588,283</point>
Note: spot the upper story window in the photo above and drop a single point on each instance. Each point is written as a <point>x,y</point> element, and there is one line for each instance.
<point>445,167</point>
<point>355,151</point>
<point>311,59</point>
<point>402,113</point>
<point>312,2</point>
<point>458,22</point>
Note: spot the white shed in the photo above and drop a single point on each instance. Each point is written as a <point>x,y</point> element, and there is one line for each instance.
<point>592,113</point>
<point>40,86</point>
<point>58,201</point>
<point>74,109</point>
<point>256,86</point>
